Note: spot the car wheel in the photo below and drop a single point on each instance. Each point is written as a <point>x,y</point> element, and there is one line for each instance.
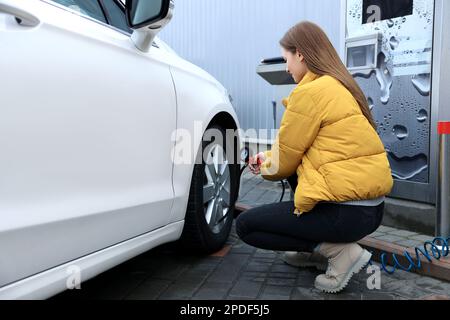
<point>212,197</point>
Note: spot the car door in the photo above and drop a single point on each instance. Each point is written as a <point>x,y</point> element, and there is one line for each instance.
<point>85,127</point>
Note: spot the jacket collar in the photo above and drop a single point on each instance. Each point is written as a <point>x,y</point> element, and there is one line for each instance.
<point>309,77</point>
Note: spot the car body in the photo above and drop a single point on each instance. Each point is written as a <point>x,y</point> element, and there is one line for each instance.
<point>87,142</point>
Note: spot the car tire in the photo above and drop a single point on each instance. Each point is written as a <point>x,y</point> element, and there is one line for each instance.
<point>209,216</point>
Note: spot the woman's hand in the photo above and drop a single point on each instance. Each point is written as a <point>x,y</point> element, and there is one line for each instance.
<point>255,163</point>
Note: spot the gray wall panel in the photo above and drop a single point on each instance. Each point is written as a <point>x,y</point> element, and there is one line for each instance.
<point>229,38</point>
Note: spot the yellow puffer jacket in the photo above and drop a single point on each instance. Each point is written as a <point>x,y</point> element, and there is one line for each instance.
<point>327,141</point>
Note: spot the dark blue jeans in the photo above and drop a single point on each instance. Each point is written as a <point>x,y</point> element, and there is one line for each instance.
<point>276,227</point>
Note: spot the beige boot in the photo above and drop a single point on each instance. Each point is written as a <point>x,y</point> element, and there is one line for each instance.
<point>305,260</point>
<point>344,260</point>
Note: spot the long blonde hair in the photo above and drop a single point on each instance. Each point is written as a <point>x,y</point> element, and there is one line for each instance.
<point>321,58</point>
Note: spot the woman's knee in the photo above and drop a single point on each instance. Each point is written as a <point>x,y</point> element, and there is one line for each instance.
<point>245,222</point>
<point>262,218</point>
<point>242,229</point>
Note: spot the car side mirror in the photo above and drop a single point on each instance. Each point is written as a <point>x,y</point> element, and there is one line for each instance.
<point>147,18</point>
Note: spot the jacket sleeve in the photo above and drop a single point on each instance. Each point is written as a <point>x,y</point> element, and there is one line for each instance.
<point>299,128</point>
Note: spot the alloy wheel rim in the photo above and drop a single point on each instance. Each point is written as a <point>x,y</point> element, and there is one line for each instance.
<point>216,190</point>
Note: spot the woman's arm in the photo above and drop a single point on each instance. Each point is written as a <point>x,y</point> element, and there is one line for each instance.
<point>299,128</point>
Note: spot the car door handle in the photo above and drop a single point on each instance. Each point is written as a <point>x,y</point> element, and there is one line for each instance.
<point>24,17</point>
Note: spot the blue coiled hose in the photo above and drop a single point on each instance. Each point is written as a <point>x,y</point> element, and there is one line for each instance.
<point>439,248</point>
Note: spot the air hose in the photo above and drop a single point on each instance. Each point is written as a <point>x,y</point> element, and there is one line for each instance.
<point>283,184</point>
<point>431,250</point>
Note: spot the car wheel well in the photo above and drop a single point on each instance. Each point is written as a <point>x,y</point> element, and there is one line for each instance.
<point>224,120</point>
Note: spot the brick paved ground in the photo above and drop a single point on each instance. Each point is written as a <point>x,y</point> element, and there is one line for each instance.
<point>241,272</point>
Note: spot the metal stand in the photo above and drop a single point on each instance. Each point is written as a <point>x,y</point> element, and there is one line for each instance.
<point>443,192</point>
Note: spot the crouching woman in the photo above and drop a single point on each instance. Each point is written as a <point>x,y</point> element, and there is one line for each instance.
<point>329,149</point>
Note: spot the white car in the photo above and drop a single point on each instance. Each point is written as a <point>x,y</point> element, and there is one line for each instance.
<point>89,112</point>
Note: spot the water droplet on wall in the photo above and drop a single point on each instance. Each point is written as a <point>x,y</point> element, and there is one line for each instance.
<point>384,78</point>
<point>393,42</point>
<point>400,132</point>
<point>422,84</point>
<point>422,116</point>
<point>370,102</point>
